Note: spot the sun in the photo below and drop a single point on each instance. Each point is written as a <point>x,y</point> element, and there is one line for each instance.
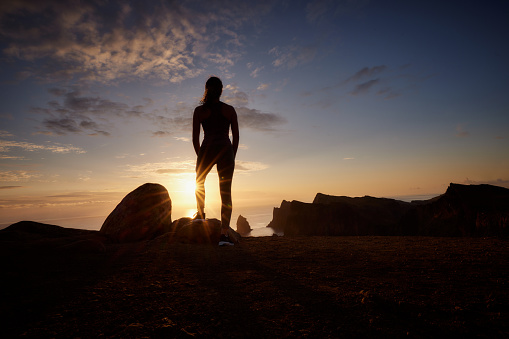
<point>189,187</point>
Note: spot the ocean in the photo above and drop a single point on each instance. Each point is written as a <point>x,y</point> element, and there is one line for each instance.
<point>258,218</point>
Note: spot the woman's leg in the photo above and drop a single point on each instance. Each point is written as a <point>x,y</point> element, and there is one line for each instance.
<point>225,168</point>
<point>203,167</point>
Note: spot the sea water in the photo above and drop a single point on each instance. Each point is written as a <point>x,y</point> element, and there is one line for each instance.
<point>258,217</point>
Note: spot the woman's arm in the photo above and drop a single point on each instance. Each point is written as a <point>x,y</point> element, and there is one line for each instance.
<point>235,131</point>
<point>196,130</point>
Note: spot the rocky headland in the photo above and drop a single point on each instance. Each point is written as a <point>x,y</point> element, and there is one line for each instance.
<point>463,210</point>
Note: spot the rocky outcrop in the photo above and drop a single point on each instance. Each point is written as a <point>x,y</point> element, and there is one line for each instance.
<point>38,236</point>
<point>143,214</point>
<point>280,216</point>
<point>243,226</point>
<point>199,231</point>
<point>464,210</point>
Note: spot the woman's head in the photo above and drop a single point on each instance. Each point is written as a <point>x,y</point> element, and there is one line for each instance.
<point>213,90</point>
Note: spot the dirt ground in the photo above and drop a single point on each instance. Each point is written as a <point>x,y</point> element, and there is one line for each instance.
<point>263,287</point>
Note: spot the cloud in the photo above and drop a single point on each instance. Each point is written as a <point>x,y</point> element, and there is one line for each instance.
<point>160,134</point>
<point>16,176</point>
<point>156,169</point>
<point>5,134</point>
<point>6,145</point>
<point>11,157</point>
<point>254,119</point>
<point>461,132</point>
<point>77,113</point>
<point>366,72</point>
<point>388,93</point>
<point>6,116</point>
<point>361,85</point>
<point>107,41</point>
<point>74,112</point>
<point>235,97</point>
<point>254,73</point>
<point>364,87</point>
<point>292,56</point>
<point>249,166</point>
<point>263,87</point>
<point>248,117</point>
<point>9,187</point>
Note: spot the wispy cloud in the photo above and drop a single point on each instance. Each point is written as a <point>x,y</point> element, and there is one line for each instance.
<point>61,200</point>
<point>9,187</point>
<point>5,134</point>
<point>366,72</point>
<point>292,56</point>
<point>263,87</point>
<point>364,87</point>
<point>249,117</point>
<point>17,176</point>
<point>108,41</point>
<point>250,166</point>
<point>235,97</point>
<point>77,112</point>
<point>388,93</point>
<point>156,169</point>
<point>7,145</point>
<point>255,71</point>
<point>257,120</point>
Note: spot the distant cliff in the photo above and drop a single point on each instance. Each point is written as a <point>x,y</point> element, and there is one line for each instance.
<point>463,210</point>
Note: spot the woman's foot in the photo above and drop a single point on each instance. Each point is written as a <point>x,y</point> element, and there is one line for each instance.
<point>225,240</point>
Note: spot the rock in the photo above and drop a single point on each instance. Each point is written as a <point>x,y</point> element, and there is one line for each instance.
<point>340,216</point>
<point>31,230</point>
<point>464,210</point>
<point>243,226</point>
<point>84,245</point>
<point>143,214</point>
<point>280,216</point>
<point>200,231</point>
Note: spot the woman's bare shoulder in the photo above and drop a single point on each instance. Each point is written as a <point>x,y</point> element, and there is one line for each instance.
<point>199,112</point>
<point>228,110</point>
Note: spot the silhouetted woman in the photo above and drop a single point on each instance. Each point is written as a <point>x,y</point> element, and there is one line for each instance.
<point>216,118</point>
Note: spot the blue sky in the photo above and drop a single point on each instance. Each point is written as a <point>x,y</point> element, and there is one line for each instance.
<point>381,98</point>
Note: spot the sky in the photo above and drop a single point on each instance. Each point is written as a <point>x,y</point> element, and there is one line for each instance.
<point>348,97</point>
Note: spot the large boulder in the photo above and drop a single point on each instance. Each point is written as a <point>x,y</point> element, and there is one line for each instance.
<point>143,214</point>
<point>243,226</point>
